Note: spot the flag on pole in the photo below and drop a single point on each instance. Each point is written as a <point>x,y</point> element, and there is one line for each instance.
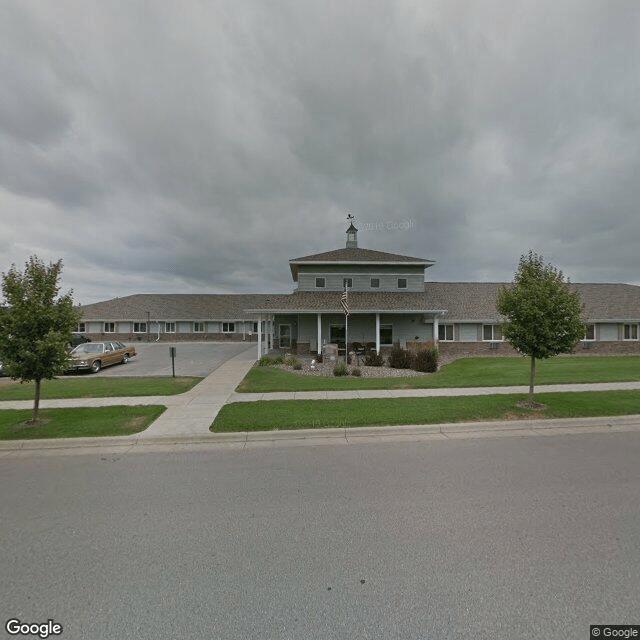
<point>344,303</point>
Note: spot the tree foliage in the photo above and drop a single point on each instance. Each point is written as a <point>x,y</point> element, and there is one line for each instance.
<point>544,317</point>
<point>35,324</point>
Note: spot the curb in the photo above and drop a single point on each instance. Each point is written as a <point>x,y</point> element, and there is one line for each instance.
<point>348,434</point>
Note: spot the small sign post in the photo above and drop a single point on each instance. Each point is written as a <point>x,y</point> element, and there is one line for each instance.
<point>172,352</point>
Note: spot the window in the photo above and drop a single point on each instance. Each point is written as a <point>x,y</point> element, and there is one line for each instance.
<point>109,327</point>
<point>402,283</point>
<point>347,282</point>
<point>386,334</point>
<point>590,333</point>
<point>228,327</point>
<point>198,327</point>
<point>169,327</point>
<point>319,283</point>
<point>255,327</point>
<point>80,328</point>
<point>139,327</point>
<point>445,332</point>
<point>491,332</point>
<point>630,331</point>
<point>375,283</point>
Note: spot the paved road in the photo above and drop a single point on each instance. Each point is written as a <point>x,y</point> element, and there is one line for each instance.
<point>486,538</point>
<point>192,359</point>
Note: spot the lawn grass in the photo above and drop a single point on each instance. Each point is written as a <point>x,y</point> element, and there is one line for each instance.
<point>98,387</point>
<point>317,414</point>
<point>465,372</point>
<point>78,422</point>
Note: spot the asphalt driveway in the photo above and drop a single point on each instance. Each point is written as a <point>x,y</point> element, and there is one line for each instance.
<point>192,359</point>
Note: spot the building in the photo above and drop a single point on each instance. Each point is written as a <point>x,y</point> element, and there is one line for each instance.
<point>388,301</point>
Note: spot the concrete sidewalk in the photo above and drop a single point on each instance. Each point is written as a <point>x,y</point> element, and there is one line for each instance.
<point>189,415</point>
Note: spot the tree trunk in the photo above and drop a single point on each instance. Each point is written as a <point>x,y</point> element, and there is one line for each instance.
<point>36,403</point>
<point>532,379</point>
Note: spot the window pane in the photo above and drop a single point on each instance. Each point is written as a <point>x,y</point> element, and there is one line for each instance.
<point>402,283</point>
<point>386,334</point>
<point>487,333</point>
<point>375,283</point>
<point>319,282</point>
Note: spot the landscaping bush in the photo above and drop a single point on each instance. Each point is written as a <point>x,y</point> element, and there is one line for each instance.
<point>297,366</point>
<point>265,361</point>
<point>278,360</point>
<point>426,360</point>
<point>356,372</point>
<point>292,362</point>
<point>340,369</point>
<point>373,360</point>
<point>400,358</point>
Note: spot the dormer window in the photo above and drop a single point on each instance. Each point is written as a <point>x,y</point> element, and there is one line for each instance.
<point>320,283</point>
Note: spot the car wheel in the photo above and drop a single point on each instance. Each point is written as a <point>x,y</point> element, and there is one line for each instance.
<point>125,358</point>
<point>95,366</point>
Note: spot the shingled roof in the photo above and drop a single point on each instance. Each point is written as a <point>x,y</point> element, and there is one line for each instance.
<point>459,302</point>
<point>354,254</point>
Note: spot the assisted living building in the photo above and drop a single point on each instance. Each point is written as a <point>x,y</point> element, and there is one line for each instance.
<point>388,301</point>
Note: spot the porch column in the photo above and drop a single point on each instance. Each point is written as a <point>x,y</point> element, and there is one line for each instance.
<point>319,333</point>
<point>260,338</point>
<point>269,334</point>
<point>377,334</point>
<point>435,329</point>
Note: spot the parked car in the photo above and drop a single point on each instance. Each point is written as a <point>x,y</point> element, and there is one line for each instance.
<point>92,356</point>
<point>78,338</point>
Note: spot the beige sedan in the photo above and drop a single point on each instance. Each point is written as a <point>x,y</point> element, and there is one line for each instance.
<point>92,356</point>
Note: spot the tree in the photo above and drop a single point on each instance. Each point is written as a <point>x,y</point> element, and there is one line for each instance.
<point>35,324</point>
<point>544,317</point>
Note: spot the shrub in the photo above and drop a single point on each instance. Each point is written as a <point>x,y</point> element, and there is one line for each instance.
<point>356,372</point>
<point>426,360</point>
<point>292,362</point>
<point>278,360</point>
<point>265,361</point>
<point>373,360</point>
<point>400,358</point>
<point>340,369</point>
<point>297,366</point>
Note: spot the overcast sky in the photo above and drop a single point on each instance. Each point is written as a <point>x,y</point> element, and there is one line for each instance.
<point>197,146</point>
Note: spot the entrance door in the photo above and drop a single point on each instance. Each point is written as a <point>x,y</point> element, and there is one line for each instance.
<point>284,336</point>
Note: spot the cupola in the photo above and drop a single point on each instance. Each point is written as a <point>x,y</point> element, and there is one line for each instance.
<point>352,237</point>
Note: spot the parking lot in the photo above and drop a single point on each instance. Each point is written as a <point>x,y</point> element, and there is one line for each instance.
<point>192,359</point>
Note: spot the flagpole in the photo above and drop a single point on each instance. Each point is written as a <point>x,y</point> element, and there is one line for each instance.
<point>346,327</point>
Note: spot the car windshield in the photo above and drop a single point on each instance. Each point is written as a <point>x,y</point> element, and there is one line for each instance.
<point>88,347</point>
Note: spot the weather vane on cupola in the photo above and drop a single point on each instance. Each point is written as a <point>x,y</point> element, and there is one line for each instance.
<point>352,232</point>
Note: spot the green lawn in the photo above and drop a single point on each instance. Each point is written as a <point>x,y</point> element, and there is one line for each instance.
<point>78,422</point>
<point>98,387</point>
<point>317,414</point>
<point>466,372</point>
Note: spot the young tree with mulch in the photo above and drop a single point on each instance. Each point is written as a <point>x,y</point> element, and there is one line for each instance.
<point>35,325</point>
<point>544,317</point>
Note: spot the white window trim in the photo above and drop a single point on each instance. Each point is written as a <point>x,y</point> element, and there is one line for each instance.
<point>631,326</point>
<point>106,328</point>
<point>585,339</point>
<point>167,327</point>
<point>196,329</point>
<point>444,329</point>
<point>493,331</point>
<point>138,330</point>
<point>229,330</point>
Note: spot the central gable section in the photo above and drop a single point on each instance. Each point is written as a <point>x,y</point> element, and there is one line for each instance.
<point>359,270</point>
